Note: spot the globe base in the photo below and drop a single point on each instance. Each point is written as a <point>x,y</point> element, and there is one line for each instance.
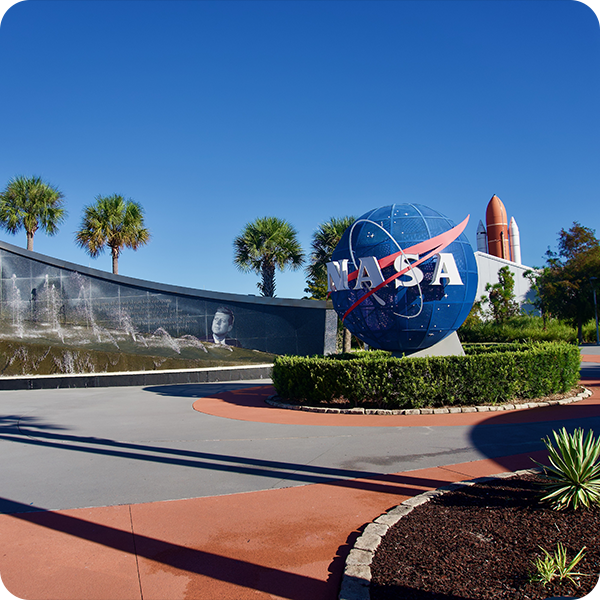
<point>449,346</point>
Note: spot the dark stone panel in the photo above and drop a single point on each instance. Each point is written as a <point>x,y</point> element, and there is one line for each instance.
<point>37,291</point>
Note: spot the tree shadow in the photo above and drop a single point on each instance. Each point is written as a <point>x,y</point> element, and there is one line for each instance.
<point>238,572</point>
<point>33,432</point>
<point>246,395</point>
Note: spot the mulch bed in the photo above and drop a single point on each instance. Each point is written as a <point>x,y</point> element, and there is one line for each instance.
<point>479,543</point>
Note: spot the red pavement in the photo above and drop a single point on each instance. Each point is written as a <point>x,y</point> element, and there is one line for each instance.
<point>286,543</point>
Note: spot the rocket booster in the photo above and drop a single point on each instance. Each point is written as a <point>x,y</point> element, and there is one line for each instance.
<point>482,242</point>
<point>497,229</point>
<point>515,241</point>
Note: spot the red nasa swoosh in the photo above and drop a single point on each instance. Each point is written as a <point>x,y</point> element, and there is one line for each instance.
<point>431,246</point>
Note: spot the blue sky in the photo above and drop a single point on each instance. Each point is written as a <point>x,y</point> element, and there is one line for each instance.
<point>211,114</point>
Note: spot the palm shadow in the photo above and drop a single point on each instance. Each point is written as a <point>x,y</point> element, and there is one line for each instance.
<point>238,572</point>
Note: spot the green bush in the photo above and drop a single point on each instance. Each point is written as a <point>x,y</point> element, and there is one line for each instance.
<point>485,375</point>
<point>523,328</point>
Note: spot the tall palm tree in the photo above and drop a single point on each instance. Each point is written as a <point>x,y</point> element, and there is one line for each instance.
<point>264,245</point>
<point>31,204</point>
<point>325,239</point>
<point>112,222</point>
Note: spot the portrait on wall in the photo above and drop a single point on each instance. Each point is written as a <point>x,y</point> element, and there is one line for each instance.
<point>221,327</point>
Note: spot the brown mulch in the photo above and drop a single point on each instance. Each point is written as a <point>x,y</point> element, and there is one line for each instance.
<point>479,543</point>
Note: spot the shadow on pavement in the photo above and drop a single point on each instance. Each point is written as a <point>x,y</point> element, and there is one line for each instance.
<point>238,572</point>
<point>32,432</point>
<point>516,432</point>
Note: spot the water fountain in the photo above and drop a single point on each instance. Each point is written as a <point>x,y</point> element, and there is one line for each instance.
<point>16,307</point>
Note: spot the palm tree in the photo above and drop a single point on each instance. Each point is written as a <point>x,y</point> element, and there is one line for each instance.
<point>112,222</point>
<point>31,204</point>
<point>325,239</point>
<point>264,245</point>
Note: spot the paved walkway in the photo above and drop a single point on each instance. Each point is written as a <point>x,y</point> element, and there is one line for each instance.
<point>205,492</point>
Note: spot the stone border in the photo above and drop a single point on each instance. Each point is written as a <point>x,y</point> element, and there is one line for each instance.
<point>274,401</point>
<point>356,579</point>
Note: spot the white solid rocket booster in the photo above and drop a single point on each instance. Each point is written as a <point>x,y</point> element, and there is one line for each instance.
<point>482,242</point>
<point>515,241</point>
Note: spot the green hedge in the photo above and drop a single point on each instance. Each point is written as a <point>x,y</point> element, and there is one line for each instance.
<point>486,375</point>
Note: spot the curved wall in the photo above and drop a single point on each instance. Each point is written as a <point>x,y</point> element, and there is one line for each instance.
<point>42,296</point>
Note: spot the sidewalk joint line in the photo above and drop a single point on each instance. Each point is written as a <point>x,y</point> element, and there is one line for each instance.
<point>137,564</point>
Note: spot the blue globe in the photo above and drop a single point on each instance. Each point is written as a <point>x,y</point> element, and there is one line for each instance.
<point>423,268</point>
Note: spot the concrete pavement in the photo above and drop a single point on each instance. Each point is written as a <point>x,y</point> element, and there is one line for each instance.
<point>203,491</point>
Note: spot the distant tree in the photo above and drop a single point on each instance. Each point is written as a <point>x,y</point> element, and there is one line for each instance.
<point>264,245</point>
<point>325,239</point>
<point>112,222</point>
<point>534,276</point>
<point>501,296</point>
<point>31,204</point>
<point>564,283</point>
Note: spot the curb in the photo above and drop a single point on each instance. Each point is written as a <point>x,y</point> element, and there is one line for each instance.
<point>356,579</point>
<point>136,378</point>
<point>273,401</point>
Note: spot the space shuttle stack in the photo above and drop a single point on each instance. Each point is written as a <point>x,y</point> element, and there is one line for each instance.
<point>500,239</point>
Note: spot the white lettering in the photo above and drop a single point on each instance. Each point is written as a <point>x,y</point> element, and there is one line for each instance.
<point>369,273</point>
<point>446,268</point>
<point>414,274</point>
<point>337,275</point>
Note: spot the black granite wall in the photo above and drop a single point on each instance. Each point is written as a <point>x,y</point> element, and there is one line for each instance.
<point>42,297</point>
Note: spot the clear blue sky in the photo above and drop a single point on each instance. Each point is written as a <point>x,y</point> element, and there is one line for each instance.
<point>211,114</point>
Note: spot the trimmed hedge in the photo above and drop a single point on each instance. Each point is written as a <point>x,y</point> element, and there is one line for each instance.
<point>486,375</point>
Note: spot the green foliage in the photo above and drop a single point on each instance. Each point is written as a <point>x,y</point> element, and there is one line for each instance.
<point>31,204</point>
<point>523,328</point>
<point>501,296</point>
<point>574,474</point>
<point>324,241</point>
<point>557,566</point>
<point>486,375</point>
<point>474,318</point>
<point>264,245</point>
<point>565,284</point>
<point>112,222</point>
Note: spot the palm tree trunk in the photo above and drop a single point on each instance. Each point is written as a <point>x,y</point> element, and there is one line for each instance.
<point>30,240</point>
<point>347,340</point>
<point>115,260</point>
<point>268,280</point>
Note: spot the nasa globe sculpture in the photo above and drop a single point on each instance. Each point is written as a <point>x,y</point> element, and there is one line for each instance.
<point>403,277</point>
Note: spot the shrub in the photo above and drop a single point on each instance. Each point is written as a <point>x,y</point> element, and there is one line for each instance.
<point>555,566</point>
<point>487,374</point>
<point>574,477</point>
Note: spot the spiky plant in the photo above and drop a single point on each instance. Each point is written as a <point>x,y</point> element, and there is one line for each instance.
<point>573,479</point>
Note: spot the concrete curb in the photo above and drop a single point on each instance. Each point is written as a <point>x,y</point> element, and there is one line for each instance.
<point>167,376</point>
<point>356,579</point>
<point>274,401</point>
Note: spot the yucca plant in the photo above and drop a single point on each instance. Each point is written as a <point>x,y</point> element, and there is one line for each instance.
<point>574,474</point>
<point>556,566</point>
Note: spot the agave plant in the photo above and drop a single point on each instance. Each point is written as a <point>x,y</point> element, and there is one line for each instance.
<point>574,474</point>
<point>557,566</point>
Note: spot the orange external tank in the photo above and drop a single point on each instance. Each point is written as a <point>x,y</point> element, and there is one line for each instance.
<point>497,229</point>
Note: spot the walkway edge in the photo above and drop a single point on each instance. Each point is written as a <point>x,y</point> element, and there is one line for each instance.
<point>356,579</point>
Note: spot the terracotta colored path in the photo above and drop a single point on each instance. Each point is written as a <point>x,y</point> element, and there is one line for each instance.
<point>282,543</point>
